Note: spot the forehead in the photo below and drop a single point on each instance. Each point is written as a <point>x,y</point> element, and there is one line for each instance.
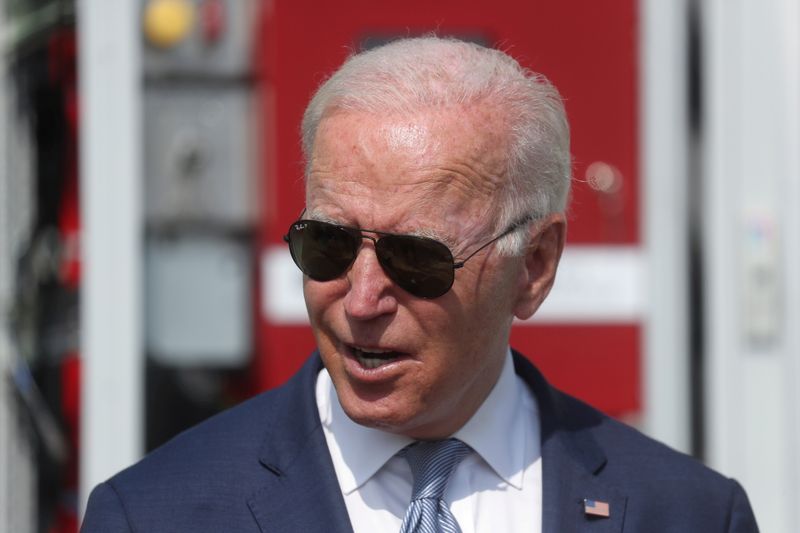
<point>396,172</point>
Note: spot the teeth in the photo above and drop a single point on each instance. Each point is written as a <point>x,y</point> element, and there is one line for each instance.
<point>362,350</point>
<point>363,357</point>
<point>371,363</point>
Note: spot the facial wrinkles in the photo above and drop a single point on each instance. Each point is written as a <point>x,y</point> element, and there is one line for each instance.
<point>353,172</point>
<point>469,199</point>
<point>403,168</point>
<point>412,206</point>
<point>456,225</point>
<point>475,175</point>
<point>391,208</point>
<point>323,216</point>
<point>434,161</point>
<point>337,196</point>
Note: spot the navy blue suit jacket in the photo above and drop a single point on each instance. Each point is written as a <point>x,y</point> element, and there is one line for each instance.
<point>265,466</point>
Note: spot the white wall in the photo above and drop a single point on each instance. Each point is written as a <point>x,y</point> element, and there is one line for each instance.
<point>752,249</point>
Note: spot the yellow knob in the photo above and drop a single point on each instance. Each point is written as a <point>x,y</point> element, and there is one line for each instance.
<point>167,22</point>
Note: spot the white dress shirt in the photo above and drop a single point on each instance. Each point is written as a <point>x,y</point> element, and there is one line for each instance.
<point>497,488</point>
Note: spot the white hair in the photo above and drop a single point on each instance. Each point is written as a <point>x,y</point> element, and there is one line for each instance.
<point>408,75</point>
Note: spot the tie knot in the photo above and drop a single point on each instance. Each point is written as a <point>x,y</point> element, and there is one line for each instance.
<point>432,463</point>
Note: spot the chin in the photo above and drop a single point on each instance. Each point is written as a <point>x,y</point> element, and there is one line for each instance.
<point>367,413</point>
<point>380,414</point>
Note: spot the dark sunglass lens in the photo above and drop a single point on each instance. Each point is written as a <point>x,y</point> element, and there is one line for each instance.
<point>423,267</point>
<point>322,251</point>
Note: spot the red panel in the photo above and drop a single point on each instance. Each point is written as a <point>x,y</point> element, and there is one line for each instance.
<point>588,50</point>
<point>598,364</point>
<point>283,352</point>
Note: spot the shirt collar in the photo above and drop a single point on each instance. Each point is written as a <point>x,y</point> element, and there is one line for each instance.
<point>498,429</point>
<point>494,432</point>
<point>357,451</point>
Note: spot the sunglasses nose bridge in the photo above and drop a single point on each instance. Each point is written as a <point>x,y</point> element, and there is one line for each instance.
<point>369,237</point>
<point>369,294</point>
<point>363,235</point>
<point>380,254</point>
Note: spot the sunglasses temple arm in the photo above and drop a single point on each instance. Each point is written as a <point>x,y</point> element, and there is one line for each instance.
<point>510,230</point>
<point>460,264</point>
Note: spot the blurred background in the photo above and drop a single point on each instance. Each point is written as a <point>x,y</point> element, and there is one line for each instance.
<point>150,163</point>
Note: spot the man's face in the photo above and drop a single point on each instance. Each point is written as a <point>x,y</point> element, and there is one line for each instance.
<point>431,174</point>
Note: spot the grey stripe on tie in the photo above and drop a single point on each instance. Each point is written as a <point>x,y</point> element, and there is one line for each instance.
<point>432,463</point>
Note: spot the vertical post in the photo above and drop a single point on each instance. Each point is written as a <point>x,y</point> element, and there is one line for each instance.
<point>111,211</point>
<point>665,209</point>
<point>752,250</point>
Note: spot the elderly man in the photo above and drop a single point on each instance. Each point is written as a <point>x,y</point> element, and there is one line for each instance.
<point>437,177</point>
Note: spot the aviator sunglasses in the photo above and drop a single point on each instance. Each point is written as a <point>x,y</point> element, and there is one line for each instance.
<point>421,266</point>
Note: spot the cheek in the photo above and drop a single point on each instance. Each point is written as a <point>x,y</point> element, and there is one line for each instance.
<point>486,312</point>
<point>321,304</point>
<point>320,297</point>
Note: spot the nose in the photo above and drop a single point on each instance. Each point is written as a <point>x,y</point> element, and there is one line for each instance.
<point>370,294</point>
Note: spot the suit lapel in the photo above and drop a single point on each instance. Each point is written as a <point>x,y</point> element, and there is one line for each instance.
<point>572,462</point>
<point>566,484</point>
<point>301,492</point>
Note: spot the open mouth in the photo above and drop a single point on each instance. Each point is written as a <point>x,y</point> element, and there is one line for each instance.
<point>370,359</point>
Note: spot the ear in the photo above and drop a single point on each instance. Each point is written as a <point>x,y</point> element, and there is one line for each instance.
<point>540,263</point>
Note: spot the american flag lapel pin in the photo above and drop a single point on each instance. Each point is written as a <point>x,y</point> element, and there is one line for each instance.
<point>596,508</point>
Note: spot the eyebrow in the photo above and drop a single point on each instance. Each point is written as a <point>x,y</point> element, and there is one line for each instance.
<point>419,232</point>
<point>432,234</point>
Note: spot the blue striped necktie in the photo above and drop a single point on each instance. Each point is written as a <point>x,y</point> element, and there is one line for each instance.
<point>432,463</point>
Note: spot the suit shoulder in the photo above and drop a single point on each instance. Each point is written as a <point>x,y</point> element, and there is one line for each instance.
<point>635,458</point>
<point>205,478</point>
<point>202,476</point>
<point>599,438</point>
<point>212,449</point>
<point>658,480</point>
<point>228,443</point>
